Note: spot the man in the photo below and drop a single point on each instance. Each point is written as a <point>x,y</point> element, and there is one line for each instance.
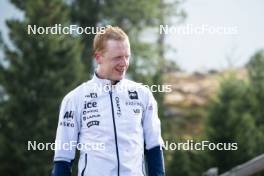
<point>114,120</point>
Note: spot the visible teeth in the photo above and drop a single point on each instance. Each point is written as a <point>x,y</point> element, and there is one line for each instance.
<point>120,70</point>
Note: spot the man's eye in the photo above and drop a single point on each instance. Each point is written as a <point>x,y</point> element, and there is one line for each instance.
<point>118,58</point>
<point>121,57</point>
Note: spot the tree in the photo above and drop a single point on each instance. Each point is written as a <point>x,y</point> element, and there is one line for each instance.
<point>180,164</point>
<point>230,121</point>
<point>256,92</point>
<point>40,70</point>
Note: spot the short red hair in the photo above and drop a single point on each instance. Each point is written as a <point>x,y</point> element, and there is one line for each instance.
<point>109,33</point>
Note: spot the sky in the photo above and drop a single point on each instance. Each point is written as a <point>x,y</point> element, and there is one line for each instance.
<point>205,52</point>
<point>201,52</point>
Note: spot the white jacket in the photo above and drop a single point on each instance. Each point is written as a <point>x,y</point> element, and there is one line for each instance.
<point>111,125</point>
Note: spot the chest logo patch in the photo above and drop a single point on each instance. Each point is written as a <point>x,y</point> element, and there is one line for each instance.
<point>133,95</point>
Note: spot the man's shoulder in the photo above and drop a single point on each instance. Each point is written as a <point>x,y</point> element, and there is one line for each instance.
<point>76,92</point>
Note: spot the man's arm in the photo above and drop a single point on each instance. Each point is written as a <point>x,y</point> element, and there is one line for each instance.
<point>153,139</point>
<point>66,137</point>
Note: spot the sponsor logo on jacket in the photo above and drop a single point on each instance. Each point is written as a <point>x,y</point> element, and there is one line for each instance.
<point>118,106</point>
<point>67,124</point>
<point>136,112</point>
<point>90,104</point>
<point>68,115</point>
<point>91,95</point>
<point>91,116</point>
<point>133,95</point>
<point>92,123</point>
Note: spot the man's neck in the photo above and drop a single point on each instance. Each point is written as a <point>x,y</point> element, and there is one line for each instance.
<point>113,82</point>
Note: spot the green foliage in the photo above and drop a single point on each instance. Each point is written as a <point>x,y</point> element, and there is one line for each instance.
<point>256,73</point>
<point>40,70</point>
<point>256,76</point>
<point>187,163</point>
<point>230,121</point>
<point>180,164</point>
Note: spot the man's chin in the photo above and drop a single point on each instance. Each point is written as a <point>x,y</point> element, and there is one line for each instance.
<point>119,77</point>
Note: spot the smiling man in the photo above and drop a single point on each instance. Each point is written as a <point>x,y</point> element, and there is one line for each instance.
<point>115,129</point>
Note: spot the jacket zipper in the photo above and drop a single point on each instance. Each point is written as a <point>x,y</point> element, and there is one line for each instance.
<point>113,117</point>
<point>84,165</point>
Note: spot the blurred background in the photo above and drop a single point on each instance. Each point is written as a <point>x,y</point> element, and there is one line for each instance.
<point>217,78</point>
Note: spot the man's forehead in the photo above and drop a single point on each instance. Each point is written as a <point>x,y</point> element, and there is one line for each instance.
<point>117,44</point>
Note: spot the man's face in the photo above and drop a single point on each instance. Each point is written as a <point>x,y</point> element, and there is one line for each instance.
<point>114,60</point>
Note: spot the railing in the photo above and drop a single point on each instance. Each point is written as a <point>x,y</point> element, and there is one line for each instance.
<point>249,168</point>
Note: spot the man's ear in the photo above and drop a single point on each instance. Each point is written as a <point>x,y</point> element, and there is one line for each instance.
<point>97,56</point>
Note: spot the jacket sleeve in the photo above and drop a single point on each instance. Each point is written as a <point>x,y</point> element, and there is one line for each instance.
<point>153,139</point>
<point>61,168</point>
<point>67,130</point>
<point>151,124</point>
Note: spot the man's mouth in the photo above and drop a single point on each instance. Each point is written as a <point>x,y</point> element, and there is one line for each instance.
<point>120,70</point>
